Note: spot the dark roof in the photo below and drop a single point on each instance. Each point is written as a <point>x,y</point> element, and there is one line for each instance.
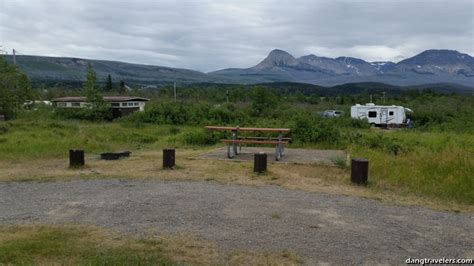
<point>106,98</point>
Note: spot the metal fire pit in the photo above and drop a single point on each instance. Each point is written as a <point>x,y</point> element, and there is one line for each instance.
<point>114,155</point>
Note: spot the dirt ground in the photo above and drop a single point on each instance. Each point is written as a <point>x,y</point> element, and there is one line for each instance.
<point>300,156</point>
<point>147,165</point>
<point>319,227</point>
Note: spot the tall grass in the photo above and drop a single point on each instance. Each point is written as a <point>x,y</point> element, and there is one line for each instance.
<point>431,163</point>
<point>439,165</point>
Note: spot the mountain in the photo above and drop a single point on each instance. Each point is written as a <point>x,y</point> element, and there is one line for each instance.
<point>43,68</point>
<point>439,62</point>
<point>428,67</point>
<point>431,66</point>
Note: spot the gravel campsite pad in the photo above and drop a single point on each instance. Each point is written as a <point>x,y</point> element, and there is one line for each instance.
<point>317,226</point>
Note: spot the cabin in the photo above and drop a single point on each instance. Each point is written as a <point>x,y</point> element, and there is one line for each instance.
<point>382,115</point>
<point>119,105</point>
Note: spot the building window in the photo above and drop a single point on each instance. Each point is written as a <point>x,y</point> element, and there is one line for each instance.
<point>372,114</point>
<point>390,113</point>
<point>135,104</point>
<point>130,104</point>
<point>76,104</point>
<point>115,104</point>
<point>124,104</point>
<point>62,104</point>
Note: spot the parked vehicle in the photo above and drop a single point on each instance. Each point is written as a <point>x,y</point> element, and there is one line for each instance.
<point>382,115</point>
<point>332,113</point>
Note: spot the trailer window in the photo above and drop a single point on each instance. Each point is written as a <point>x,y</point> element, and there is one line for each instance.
<point>390,113</point>
<point>372,114</point>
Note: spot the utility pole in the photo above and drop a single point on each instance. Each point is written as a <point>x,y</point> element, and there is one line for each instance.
<point>383,93</point>
<point>14,57</point>
<point>174,87</point>
<point>371,98</point>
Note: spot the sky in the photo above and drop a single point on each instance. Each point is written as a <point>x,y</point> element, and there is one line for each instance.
<point>209,35</point>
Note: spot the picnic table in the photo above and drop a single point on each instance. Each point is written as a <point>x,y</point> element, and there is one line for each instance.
<point>234,144</point>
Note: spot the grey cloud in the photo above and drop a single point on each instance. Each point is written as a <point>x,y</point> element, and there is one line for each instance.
<point>208,35</point>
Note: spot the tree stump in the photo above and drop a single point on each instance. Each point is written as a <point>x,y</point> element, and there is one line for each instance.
<point>168,158</point>
<point>260,162</point>
<point>76,158</point>
<point>359,171</point>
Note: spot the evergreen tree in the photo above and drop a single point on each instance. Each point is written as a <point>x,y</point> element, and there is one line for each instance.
<point>122,88</point>
<point>108,84</point>
<point>90,88</point>
<point>14,89</point>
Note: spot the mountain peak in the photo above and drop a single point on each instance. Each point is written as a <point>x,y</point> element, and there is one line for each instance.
<point>438,57</point>
<point>277,58</point>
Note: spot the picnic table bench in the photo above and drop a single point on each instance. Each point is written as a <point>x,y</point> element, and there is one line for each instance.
<point>234,144</point>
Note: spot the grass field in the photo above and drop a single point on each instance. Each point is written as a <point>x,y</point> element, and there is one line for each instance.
<point>427,168</point>
<point>90,245</point>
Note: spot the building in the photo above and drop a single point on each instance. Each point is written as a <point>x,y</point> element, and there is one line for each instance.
<point>119,105</point>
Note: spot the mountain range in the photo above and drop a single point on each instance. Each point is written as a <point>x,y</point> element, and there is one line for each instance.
<point>430,66</point>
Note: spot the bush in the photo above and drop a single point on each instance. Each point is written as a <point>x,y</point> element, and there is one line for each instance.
<point>201,137</point>
<point>320,130</point>
<point>94,114</point>
<point>4,127</point>
<point>172,113</point>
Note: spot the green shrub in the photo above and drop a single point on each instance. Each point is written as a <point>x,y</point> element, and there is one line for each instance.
<point>89,114</point>
<point>317,130</point>
<point>4,127</point>
<point>201,137</point>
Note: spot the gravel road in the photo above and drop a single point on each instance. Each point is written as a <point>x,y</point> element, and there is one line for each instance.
<point>319,227</point>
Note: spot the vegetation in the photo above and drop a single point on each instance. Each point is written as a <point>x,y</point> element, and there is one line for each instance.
<point>434,159</point>
<point>14,89</point>
<point>91,89</point>
<point>89,245</point>
<point>108,84</point>
<point>75,245</point>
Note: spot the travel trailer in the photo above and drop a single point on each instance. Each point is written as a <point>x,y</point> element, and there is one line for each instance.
<point>382,115</point>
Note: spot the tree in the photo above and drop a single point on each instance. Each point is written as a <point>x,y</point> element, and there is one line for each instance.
<point>122,88</point>
<point>108,84</point>
<point>14,89</point>
<point>90,88</point>
<point>263,100</point>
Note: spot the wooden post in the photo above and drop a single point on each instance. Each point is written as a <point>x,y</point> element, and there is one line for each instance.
<point>168,158</point>
<point>76,158</point>
<point>359,170</point>
<point>260,162</point>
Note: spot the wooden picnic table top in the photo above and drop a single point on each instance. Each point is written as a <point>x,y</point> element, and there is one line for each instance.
<point>259,129</point>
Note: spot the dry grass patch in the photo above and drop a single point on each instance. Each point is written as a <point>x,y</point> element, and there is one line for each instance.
<point>148,165</point>
<point>90,245</point>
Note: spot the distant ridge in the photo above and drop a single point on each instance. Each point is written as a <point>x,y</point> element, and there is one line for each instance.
<point>428,67</point>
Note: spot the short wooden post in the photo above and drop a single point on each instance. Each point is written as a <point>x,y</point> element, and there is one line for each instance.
<point>359,170</point>
<point>168,158</point>
<point>260,162</point>
<point>76,158</point>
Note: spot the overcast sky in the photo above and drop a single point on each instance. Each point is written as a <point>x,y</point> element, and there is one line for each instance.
<point>209,35</point>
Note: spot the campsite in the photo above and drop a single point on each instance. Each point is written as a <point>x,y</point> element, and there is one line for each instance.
<point>427,166</point>
<point>236,132</point>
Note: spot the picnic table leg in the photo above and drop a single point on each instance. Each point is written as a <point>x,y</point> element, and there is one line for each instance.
<point>282,147</point>
<point>234,145</point>
<point>277,152</point>
<point>230,153</point>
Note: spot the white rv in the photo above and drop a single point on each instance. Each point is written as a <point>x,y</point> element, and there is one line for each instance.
<point>382,115</point>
